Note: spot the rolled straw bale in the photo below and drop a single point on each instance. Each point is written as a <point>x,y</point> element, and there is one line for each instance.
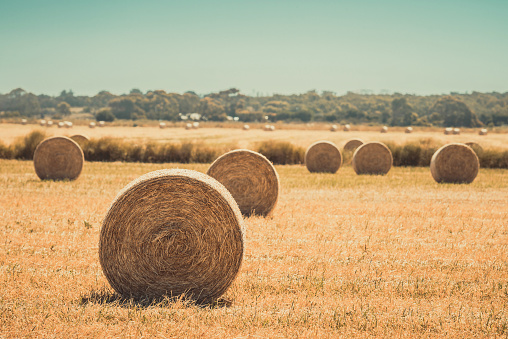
<point>80,139</point>
<point>68,124</point>
<point>102,123</point>
<point>347,128</point>
<point>448,130</point>
<point>172,232</point>
<point>91,125</point>
<point>246,127</point>
<point>61,124</point>
<point>58,158</point>
<point>456,131</point>
<point>483,131</point>
<point>475,147</point>
<point>409,130</point>
<point>267,128</point>
<point>195,125</point>
<point>334,128</point>
<point>24,121</point>
<point>272,128</point>
<point>162,125</point>
<point>352,145</point>
<point>454,163</point>
<point>42,122</point>
<point>49,123</point>
<point>188,126</point>
<point>324,157</point>
<point>372,158</point>
<point>384,129</point>
<point>251,179</point>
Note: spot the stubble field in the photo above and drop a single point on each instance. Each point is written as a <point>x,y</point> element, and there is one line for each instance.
<point>342,255</point>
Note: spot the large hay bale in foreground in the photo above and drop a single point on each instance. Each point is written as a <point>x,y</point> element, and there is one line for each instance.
<point>170,233</point>
<point>323,157</point>
<point>353,144</point>
<point>58,158</point>
<point>80,139</point>
<point>454,163</point>
<point>372,158</point>
<point>251,179</point>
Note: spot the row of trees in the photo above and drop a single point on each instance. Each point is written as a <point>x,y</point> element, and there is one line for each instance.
<point>468,110</point>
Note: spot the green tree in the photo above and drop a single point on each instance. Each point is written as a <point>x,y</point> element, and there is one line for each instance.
<point>63,108</point>
<point>455,113</point>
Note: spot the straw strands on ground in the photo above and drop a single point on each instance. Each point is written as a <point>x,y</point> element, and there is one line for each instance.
<point>372,158</point>
<point>352,145</point>
<point>454,163</point>
<point>323,157</point>
<point>58,158</point>
<point>172,233</point>
<point>251,179</point>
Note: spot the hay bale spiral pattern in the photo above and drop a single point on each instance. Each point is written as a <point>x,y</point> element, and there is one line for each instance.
<point>58,158</point>
<point>353,144</point>
<point>251,179</point>
<point>372,158</point>
<point>172,232</point>
<point>454,163</point>
<point>323,157</point>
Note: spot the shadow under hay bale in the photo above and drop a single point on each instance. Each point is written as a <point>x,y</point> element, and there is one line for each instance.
<point>172,233</point>
<point>251,179</point>
<point>58,158</point>
<point>323,157</point>
<point>372,158</point>
<point>454,163</point>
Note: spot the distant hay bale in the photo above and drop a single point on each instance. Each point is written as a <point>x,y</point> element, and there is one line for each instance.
<point>333,128</point>
<point>173,233</point>
<point>195,125</point>
<point>409,130</point>
<point>42,122</point>
<point>91,125</point>
<point>49,123</point>
<point>454,163</point>
<point>347,128</point>
<point>68,124</point>
<point>61,124</point>
<point>475,147</point>
<point>323,157</point>
<point>353,144</point>
<point>384,129</point>
<point>251,179</point>
<point>102,123</point>
<point>58,158</point>
<point>246,127</point>
<point>188,126</point>
<point>162,125</point>
<point>267,128</point>
<point>483,131</point>
<point>272,128</point>
<point>80,139</point>
<point>456,131</point>
<point>448,130</point>
<point>24,121</point>
<point>372,158</point>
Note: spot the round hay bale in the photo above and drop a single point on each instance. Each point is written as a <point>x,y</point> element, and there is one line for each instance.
<point>49,123</point>
<point>61,124</point>
<point>409,130</point>
<point>267,128</point>
<point>334,128</point>
<point>323,157</point>
<point>58,158</point>
<point>483,131</point>
<point>456,131</point>
<point>188,126</point>
<point>80,139</point>
<point>24,121</point>
<point>454,163</point>
<point>372,158</point>
<point>172,232</point>
<point>384,129</point>
<point>251,179</point>
<point>347,128</point>
<point>68,124</point>
<point>162,125</point>
<point>246,127</point>
<point>475,147</point>
<point>102,123</point>
<point>42,122</point>
<point>92,125</point>
<point>353,144</point>
<point>195,125</point>
<point>448,130</point>
<point>272,128</point>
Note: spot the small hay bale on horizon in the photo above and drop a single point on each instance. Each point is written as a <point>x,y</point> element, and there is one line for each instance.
<point>456,131</point>
<point>102,123</point>
<point>448,130</point>
<point>195,125</point>
<point>24,121</point>
<point>384,129</point>
<point>162,125</point>
<point>334,128</point>
<point>251,179</point>
<point>409,130</point>
<point>246,127</point>
<point>58,158</point>
<point>91,125</point>
<point>454,163</point>
<point>352,145</point>
<point>49,123</point>
<point>188,126</point>
<point>372,158</point>
<point>174,233</point>
<point>323,157</point>
<point>42,122</point>
<point>347,128</point>
<point>483,131</point>
<point>61,124</point>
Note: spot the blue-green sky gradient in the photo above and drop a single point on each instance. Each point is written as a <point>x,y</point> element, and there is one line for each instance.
<point>266,47</point>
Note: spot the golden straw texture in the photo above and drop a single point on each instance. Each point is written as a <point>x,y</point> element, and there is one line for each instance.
<point>251,179</point>
<point>476,147</point>
<point>372,158</point>
<point>352,145</point>
<point>454,163</point>
<point>80,139</point>
<point>323,156</point>
<point>172,232</point>
<point>58,158</point>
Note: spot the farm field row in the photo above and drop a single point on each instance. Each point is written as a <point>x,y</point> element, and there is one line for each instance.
<point>342,254</point>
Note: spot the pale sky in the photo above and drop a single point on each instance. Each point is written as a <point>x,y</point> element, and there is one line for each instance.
<point>266,47</point>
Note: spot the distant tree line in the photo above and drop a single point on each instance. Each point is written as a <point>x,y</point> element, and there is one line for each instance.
<point>460,110</point>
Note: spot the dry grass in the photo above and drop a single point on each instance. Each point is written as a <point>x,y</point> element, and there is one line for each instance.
<point>343,255</point>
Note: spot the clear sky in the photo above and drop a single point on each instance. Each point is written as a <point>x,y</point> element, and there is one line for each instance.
<point>264,46</point>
